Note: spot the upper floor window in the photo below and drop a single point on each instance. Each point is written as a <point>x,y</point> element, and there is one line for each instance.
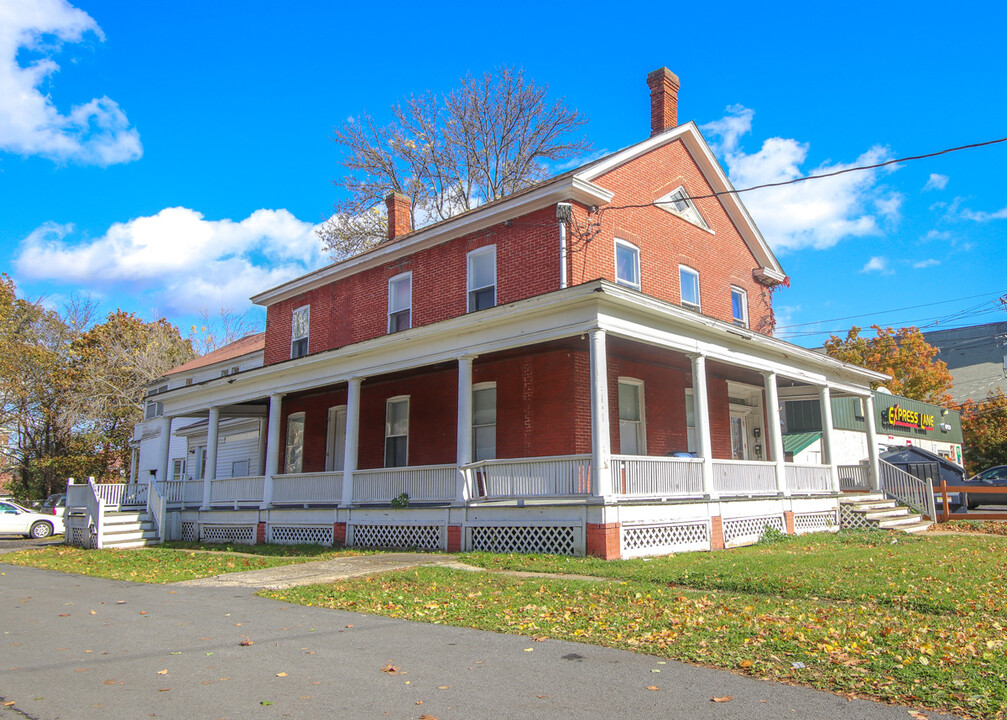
<point>689,280</point>
<point>299,323</point>
<point>739,306</point>
<point>400,302</point>
<point>153,408</point>
<point>397,432</point>
<point>482,278</point>
<point>293,458</point>
<point>484,421</point>
<point>632,429</point>
<point>627,264</point>
<point>677,202</point>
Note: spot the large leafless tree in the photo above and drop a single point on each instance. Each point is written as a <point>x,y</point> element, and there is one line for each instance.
<point>492,136</point>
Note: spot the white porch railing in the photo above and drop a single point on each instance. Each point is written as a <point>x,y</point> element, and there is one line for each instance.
<point>120,495</point>
<point>908,489</point>
<point>84,514</point>
<point>563,475</point>
<point>237,491</point>
<point>308,488</point>
<point>855,477</point>
<point>808,478</point>
<point>744,477</point>
<point>156,506</point>
<point>182,493</point>
<point>424,483</point>
<point>657,476</point>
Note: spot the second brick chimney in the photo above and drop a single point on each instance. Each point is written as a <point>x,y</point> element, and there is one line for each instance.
<point>400,214</point>
<point>663,100</point>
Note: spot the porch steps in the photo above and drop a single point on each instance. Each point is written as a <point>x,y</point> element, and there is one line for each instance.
<point>125,529</point>
<point>875,510</point>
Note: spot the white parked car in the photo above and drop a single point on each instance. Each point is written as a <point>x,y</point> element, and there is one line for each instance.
<point>16,520</point>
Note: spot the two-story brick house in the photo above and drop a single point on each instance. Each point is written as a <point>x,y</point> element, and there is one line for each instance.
<point>584,366</point>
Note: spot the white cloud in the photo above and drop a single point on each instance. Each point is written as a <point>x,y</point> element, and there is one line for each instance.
<point>877,264</point>
<point>96,132</point>
<point>984,216</point>
<point>814,213</point>
<point>936,182</point>
<point>926,263</point>
<point>183,261</point>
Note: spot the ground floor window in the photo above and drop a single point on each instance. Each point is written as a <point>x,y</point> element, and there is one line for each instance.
<point>293,458</point>
<point>632,428</point>
<point>484,421</point>
<point>397,432</point>
<point>335,439</point>
<point>177,469</point>
<point>690,420</point>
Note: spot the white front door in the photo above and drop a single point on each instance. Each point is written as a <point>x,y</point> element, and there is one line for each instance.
<point>739,436</point>
<point>335,440</point>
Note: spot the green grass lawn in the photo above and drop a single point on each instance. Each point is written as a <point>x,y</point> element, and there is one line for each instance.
<point>918,621</point>
<point>166,564</point>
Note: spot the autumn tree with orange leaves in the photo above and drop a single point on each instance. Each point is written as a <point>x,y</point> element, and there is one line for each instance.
<point>984,427</point>
<point>904,354</point>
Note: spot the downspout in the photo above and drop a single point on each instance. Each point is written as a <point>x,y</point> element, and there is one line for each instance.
<point>564,213</point>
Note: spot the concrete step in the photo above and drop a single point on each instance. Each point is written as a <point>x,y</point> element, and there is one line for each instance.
<point>899,523</point>
<point>873,505</point>
<point>894,512</point>
<point>853,498</point>
<point>919,527</point>
<point>123,527</point>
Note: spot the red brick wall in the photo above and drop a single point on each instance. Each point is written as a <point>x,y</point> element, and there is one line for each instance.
<point>666,240</point>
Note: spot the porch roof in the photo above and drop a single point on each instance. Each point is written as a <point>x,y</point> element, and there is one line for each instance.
<point>796,442</point>
<point>559,314</point>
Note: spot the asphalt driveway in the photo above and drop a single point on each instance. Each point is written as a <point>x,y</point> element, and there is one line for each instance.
<point>77,647</point>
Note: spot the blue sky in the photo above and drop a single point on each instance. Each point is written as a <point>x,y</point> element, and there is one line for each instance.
<point>168,159</point>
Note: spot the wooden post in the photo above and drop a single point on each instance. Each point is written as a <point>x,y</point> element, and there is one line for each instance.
<point>944,500</point>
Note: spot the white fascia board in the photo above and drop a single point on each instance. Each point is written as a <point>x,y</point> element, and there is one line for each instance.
<point>569,188</point>
<point>230,426</point>
<point>699,149</point>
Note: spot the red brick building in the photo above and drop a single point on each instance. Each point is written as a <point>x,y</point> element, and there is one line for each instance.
<point>585,366</point>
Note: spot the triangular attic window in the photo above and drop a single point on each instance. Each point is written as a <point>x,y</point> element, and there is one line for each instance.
<point>678,203</point>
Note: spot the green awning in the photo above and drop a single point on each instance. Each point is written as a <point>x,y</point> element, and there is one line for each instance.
<point>796,442</point>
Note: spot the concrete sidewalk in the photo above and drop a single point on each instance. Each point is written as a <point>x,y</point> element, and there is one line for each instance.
<point>77,648</point>
<point>322,571</point>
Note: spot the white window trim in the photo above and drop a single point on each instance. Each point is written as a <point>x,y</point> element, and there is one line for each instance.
<point>475,388</point>
<point>636,253</point>
<point>743,320</point>
<point>693,218</point>
<point>681,294</point>
<point>642,422</point>
<point>287,445</point>
<point>306,336</point>
<point>485,250</point>
<point>409,307</point>
<point>388,402</point>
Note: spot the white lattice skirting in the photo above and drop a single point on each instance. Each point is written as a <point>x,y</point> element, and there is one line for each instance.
<point>300,534</point>
<point>658,539</point>
<point>190,533</point>
<point>81,537</point>
<point>550,539</point>
<point>850,520</point>
<point>816,522</point>
<point>243,534</point>
<point>751,529</point>
<point>424,537</point>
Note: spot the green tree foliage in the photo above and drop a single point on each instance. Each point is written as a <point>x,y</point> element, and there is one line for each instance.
<point>984,427</point>
<point>903,354</point>
<point>70,390</point>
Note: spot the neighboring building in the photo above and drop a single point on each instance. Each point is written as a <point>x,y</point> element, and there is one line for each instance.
<point>976,357</point>
<point>526,376</point>
<point>900,422</point>
<point>187,448</point>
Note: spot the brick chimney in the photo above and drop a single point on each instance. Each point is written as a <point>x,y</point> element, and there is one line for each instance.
<point>663,100</point>
<point>400,215</point>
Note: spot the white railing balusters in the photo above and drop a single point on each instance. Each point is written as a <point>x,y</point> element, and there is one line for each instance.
<point>808,478</point>
<point>237,491</point>
<point>657,476</point>
<point>744,477</point>
<point>308,488</point>
<point>529,477</point>
<point>423,484</point>
<point>854,477</point>
<point>908,489</point>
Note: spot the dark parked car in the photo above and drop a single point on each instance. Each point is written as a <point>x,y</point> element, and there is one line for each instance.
<point>994,477</point>
<point>54,504</point>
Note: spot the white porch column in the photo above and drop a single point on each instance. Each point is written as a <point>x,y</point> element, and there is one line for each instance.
<point>775,434</point>
<point>464,423</point>
<point>701,414</point>
<point>210,473</point>
<point>601,438</point>
<point>828,455</point>
<point>272,465</point>
<point>162,464</point>
<point>260,457</point>
<point>872,442</point>
<point>352,433</point>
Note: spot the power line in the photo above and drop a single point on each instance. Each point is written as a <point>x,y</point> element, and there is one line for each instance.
<point>820,176</point>
<point>884,312</point>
